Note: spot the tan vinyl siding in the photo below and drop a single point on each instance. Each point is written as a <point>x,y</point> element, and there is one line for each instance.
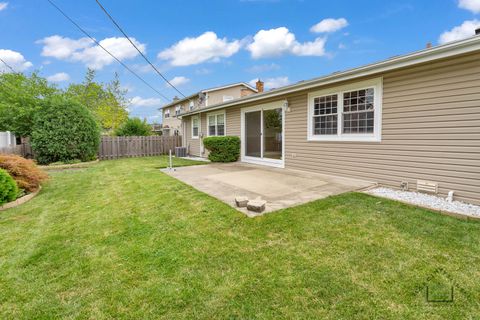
<point>430,130</point>
<point>193,145</point>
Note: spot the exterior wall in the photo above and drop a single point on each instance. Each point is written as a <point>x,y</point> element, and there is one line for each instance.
<point>193,146</point>
<point>173,122</point>
<point>215,97</point>
<point>430,131</point>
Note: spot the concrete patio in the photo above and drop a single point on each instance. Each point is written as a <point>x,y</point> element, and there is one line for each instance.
<point>281,188</point>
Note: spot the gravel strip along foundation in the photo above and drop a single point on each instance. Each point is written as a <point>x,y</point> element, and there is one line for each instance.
<point>428,201</point>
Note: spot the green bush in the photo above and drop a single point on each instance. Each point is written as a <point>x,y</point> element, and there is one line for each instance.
<point>64,130</point>
<point>8,187</point>
<point>223,149</point>
<point>134,127</point>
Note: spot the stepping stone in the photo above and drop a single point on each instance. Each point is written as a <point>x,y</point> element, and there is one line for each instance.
<point>241,202</point>
<point>256,205</point>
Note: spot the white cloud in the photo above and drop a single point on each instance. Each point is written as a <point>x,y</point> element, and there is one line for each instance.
<point>206,47</point>
<point>279,41</point>
<point>59,77</point>
<point>3,5</point>
<point>272,83</point>
<point>145,102</point>
<point>15,60</point>
<point>465,30</point>
<point>314,48</point>
<point>471,5</point>
<point>178,81</point>
<point>329,25</point>
<point>84,50</point>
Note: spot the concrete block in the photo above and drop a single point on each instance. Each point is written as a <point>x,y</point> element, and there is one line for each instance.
<point>256,205</point>
<point>241,202</point>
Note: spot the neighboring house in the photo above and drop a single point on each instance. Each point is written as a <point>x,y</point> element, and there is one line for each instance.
<point>172,125</point>
<point>408,118</point>
<point>156,128</point>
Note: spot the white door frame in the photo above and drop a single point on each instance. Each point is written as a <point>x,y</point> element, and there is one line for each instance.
<point>261,160</point>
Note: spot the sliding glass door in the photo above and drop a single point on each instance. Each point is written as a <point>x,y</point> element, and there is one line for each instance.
<point>253,134</point>
<point>263,134</point>
<point>272,133</point>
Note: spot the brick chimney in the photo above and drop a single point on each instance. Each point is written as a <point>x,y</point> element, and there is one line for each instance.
<point>259,86</point>
<point>429,45</point>
<point>176,98</point>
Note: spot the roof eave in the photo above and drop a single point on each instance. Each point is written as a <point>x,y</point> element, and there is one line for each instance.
<point>443,51</point>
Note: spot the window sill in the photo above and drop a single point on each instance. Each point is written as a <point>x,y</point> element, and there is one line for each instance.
<point>345,138</point>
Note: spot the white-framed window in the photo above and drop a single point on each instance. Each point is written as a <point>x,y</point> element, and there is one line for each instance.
<point>227,98</point>
<point>216,124</point>
<point>167,113</point>
<point>195,127</point>
<point>191,106</point>
<point>347,113</point>
<point>178,110</point>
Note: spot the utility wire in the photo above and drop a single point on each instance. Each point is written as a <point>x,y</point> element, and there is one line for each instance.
<point>135,46</point>
<point>104,49</point>
<point>8,66</point>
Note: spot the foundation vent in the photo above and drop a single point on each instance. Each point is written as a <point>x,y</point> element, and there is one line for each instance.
<point>427,186</point>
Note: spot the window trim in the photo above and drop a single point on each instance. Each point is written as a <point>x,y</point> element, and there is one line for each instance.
<point>216,128</point>
<point>199,126</point>
<point>376,136</point>
<point>178,111</point>
<point>166,114</point>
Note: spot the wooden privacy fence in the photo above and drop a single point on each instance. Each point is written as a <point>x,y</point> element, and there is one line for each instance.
<point>124,147</point>
<point>24,150</point>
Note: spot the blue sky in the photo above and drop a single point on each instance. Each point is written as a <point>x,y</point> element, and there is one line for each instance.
<point>203,44</point>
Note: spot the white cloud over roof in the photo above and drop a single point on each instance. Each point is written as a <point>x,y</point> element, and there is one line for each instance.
<point>465,30</point>
<point>179,80</point>
<point>280,41</point>
<point>205,48</point>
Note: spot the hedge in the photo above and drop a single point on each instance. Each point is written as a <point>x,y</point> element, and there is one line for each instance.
<point>8,187</point>
<point>223,149</point>
<point>64,130</point>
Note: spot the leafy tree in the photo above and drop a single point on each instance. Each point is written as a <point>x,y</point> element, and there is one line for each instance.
<point>134,127</point>
<point>64,130</point>
<point>107,102</point>
<point>20,97</point>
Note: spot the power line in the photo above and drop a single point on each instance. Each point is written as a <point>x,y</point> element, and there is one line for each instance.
<point>8,66</point>
<point>104,49</point>
<point>135,46</point>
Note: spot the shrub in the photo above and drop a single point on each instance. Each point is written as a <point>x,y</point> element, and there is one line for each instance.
<point>64,130</point>
<point>223,149</point>
<point>8,187</point>
<point>25,172</point>
<point>134,127</point>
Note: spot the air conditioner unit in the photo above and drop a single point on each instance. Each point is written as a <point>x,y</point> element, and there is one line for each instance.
<point>180,152</point>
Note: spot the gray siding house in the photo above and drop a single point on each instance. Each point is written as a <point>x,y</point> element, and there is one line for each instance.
<point>408,118</point>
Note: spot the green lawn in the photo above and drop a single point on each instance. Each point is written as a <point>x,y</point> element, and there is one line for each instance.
<point>122,240</point>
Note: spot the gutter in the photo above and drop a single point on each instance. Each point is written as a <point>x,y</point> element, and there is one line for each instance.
<point>468,45</point>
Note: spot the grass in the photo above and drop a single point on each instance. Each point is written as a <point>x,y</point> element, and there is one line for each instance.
<point>121,240</point>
